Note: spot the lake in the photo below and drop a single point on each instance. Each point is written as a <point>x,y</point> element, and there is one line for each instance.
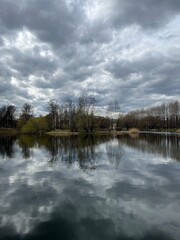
<point>90,187</point>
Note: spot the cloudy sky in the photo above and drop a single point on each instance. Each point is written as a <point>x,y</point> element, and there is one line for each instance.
<point>120,49</point>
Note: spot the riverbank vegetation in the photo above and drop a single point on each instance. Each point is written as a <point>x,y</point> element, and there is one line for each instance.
<point>81,116</point>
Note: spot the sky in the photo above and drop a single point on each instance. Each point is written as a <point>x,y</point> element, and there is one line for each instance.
<point>123,50</point>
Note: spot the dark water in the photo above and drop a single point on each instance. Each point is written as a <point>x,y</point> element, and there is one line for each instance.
<point>89,188</point>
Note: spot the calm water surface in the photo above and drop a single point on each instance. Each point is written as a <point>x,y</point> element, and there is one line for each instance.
<point>89,188</point>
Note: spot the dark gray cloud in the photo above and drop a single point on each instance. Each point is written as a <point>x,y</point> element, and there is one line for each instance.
<point>147,76</point>
<point>114,49</point>
<point>51,21</point>
<point>146,13</point>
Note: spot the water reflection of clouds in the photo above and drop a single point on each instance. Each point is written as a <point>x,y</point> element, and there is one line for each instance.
<point>106,203</point>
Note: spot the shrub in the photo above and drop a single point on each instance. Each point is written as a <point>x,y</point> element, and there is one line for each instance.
<point>36,126</point>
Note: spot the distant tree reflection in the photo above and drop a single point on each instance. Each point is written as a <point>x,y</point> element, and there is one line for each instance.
<point>26,143</point>
<point>166,145</point>
<point>114,152</point>
<point>81,150</point>
<point>86,151</point>
<point>7,144</point>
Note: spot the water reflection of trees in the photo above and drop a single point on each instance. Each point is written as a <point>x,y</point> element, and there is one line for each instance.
<point>166,145</point>
<point>25,145</point>
<point>85,150</point>
<point>114,152</point>
<point>28,142</point>
<point>82,150</point>
<point>7,144</point>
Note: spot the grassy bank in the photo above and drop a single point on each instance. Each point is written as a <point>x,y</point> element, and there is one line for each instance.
<point>61,133</point>
<point>97,132</point>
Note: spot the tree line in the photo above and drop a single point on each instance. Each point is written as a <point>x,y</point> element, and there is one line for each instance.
<point>164,116</point>
<point>80,116</point>
<point>74,116</point>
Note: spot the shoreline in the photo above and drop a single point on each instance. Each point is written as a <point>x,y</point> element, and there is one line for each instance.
<point>13,132</point>
<point>100,132</point>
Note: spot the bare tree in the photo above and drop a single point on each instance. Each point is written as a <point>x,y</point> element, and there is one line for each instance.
<point>27,111</point>
<point>113,110</point>
<point>85,113</point>
<point>53,108</point>
<point>174,114</point>
<point>7,116</point>
<point>70,109</point>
